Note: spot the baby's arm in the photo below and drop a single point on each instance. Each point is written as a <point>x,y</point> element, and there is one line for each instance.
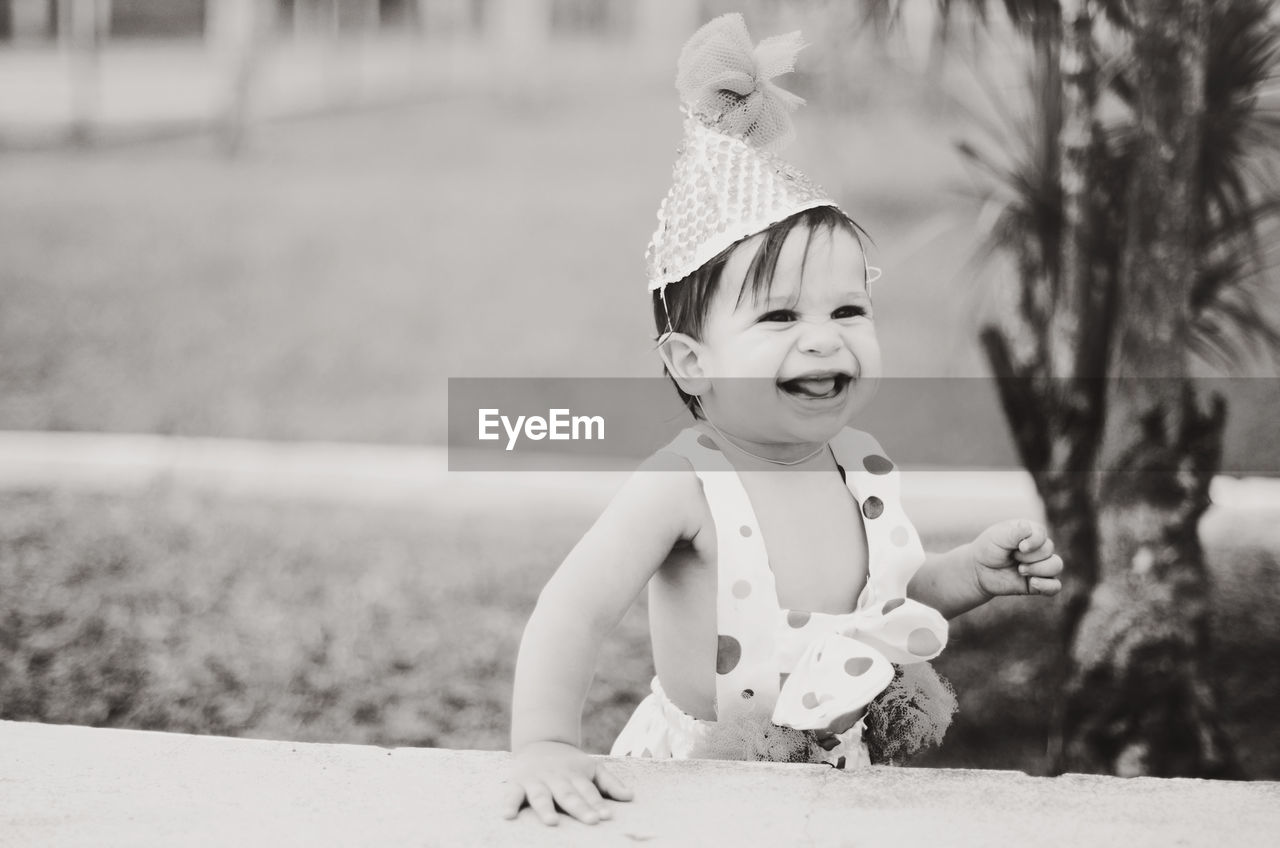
<point>577,609</point>
<point>1009,558</point>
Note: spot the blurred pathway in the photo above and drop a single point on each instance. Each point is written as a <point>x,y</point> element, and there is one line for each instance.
<point>148,88</point>
<point>157,87</point>
<point>420,476</point>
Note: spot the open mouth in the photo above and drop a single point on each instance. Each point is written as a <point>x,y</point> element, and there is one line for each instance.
<point>820,386</point>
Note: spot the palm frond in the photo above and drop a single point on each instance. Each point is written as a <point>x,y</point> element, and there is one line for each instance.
<point>1019,170</point>
<point>1237,188</point>
<point>1037,19</point>
<point>1235,326</point>
<point>1244,47</point>
<point>1239,195</point>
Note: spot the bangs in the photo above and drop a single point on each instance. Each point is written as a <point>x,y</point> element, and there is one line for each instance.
<point>826,219</point>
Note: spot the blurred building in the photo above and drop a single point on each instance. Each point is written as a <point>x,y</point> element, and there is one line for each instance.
<point>45,20</point>
<point>35,21</point>
<point>80,68</point>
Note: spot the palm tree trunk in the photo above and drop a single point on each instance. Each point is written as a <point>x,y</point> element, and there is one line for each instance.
<point>1051,391</point>
<point>1138,700</point>
<point>1072,331</point>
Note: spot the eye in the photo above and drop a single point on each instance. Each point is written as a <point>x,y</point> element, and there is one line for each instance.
<point>778,316</point>
<point>849,312</point>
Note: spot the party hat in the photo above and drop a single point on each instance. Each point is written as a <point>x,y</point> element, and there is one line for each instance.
<point>727,182</point>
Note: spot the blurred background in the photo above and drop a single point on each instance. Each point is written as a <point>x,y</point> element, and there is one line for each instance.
<point>293,221</point>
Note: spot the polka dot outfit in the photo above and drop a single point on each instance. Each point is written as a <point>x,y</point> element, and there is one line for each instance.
<point>812,670</point>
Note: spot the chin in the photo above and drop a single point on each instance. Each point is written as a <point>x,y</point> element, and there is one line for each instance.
<point>821,433</point>
<point>814,429</point>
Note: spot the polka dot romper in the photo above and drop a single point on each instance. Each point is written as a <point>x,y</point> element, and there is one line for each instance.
<point>810,670</point>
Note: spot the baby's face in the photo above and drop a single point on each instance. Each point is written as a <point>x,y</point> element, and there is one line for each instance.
<point>808,351</point>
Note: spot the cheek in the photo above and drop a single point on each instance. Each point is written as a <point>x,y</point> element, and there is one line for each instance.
<point>757,357</point>
<point>864,339</point>
<point>867,348</point>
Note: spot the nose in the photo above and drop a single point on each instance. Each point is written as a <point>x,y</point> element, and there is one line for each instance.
<point>819,338</point>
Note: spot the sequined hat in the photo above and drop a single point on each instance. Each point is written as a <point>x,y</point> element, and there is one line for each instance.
<point>727,182</point>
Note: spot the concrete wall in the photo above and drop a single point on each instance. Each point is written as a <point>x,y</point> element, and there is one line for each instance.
<point>71,786</point>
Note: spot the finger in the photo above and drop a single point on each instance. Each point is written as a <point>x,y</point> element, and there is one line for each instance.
<point>513,801</point>
<point>1042,551</point>
<point>1044,586</point>
<point>542,803</point>
<point>1050,567</point>
<point>1034,536</point>
<point>611,786</point>
<point>1006,535</point>
<point>591,795</point>
<point>572,803</point>
<point>1008,581</point>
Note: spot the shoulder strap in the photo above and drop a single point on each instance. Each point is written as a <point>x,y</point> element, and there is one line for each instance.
<point>746,598</point>
<point>893,546</point>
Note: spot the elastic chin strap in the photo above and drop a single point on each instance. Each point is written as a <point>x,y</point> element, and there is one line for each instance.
<point>662,295</point>
<point>873,273</point>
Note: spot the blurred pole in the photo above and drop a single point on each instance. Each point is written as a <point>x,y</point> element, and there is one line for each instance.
<point>453,18</point>
<point>238,31</point>
<point>519,32</point>
<point>82,31</point>
<point>454,33</point>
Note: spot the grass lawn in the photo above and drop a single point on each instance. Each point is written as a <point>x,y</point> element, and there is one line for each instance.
<point>327,283</point>
<point>173,611</point>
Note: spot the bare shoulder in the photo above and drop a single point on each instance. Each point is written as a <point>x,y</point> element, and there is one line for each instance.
<point>665,488</point>
<point>628,543</point>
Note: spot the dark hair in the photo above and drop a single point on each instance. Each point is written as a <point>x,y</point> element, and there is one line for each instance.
<point>688,300</point>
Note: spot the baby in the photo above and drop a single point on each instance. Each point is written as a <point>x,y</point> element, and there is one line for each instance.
<point>787,588</point>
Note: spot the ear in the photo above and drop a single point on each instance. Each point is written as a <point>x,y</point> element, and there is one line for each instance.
<point>683,356</point>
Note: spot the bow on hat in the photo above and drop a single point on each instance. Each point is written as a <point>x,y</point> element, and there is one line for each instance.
<point>727,81</point>
<point>727,182</point>
<point>845,669</point>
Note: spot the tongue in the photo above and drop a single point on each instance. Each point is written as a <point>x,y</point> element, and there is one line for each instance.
<point>815,387</point>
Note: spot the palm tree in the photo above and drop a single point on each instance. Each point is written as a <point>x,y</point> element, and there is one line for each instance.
<point>1135,237</point>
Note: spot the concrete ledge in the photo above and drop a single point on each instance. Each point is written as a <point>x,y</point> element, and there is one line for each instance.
<point>420,476</point>
<point>63,786</point>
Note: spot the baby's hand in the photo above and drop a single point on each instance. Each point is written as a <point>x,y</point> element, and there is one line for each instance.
<point>1016,558</point>
<point>554,774</point>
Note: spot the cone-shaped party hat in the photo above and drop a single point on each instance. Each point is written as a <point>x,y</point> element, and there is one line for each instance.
<point>727,183</point>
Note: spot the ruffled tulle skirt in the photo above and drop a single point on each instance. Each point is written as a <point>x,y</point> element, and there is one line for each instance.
<point>660,729</point>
